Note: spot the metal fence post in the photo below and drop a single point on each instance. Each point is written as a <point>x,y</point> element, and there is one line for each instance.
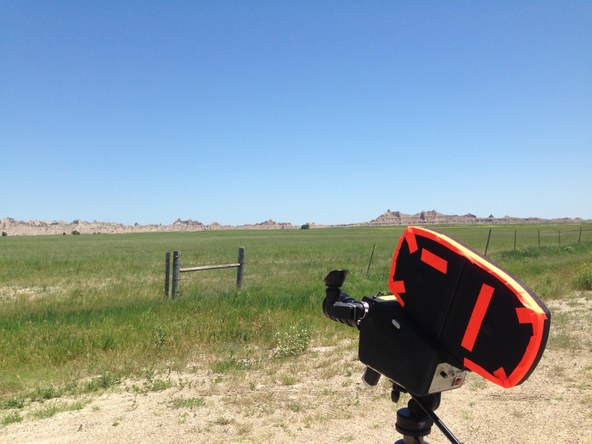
<point>176,273</point>
<point>370,260</point>
<point>487,244</point>
<point>241,266</point>
<point>167,273</point>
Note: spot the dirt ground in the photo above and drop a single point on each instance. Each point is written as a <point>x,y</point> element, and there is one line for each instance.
<point>319,397</point>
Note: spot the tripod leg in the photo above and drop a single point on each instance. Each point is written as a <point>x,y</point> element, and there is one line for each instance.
<point>435,419</point>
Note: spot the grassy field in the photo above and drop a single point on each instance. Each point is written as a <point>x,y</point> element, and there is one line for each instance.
<point>78,313</point>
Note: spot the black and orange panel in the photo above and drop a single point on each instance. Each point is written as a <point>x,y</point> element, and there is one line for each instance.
<point>482,316</point>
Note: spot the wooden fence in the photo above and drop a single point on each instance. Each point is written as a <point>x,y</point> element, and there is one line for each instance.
<point>177,270</point>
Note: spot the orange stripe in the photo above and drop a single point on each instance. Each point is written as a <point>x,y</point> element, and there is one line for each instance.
<point>434,261</point>
<point>398,288</point>
<point>525,315</point>
<point>411,240</point>
<point>477,317</point>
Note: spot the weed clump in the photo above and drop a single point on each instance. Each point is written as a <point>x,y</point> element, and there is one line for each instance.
<point>292,342</point>
<point>182,403</point>
<point>11,418</point>
<point>583,277</point>
<point>12,403</point>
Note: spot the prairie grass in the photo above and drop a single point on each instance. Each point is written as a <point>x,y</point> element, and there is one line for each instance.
<point>81,313</point>
<point>583,277</point>
<point>187,403</point>
<point>11,418</point>
<point>47,411</point>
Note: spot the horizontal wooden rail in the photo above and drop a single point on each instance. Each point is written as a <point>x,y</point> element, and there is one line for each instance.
<point>209,267</point>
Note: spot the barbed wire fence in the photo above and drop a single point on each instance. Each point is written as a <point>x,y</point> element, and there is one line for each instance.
<point>503,238</point>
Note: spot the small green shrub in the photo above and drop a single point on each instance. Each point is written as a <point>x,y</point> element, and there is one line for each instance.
<point>12,403</point>
<point>229,365</point>
<point>583,278</point>
<point>45,412</point>
<point>292,342</point>
<point>11,418</point>
<point>53,409</point>
<point>158,385</point>
<point>189,403</point>
<point>159,336</point>
<point>45,393</point>
<point>101,382</point>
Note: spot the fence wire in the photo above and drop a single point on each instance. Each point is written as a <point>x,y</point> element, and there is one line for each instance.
<point>503,238</point>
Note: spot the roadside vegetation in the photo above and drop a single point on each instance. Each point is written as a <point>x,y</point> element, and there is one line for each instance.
<point>80,314</point>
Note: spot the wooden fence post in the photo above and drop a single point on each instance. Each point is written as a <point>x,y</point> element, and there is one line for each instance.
<point>176,273</point>
<point>167,273</point>
<point>580,236</point>
<point>241,266</point>
<point>515,231</point>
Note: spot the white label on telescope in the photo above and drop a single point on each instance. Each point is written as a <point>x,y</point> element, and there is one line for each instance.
<point>446,377</point>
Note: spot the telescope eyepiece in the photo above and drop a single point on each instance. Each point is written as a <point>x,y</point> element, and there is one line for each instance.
<point>335,278</point>
<point>338,306</point>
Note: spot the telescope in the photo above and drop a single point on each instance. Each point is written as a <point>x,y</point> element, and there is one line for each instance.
<point>450,311</point>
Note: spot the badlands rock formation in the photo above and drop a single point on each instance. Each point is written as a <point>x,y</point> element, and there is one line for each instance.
<point>433,217</point>
<point>12,227</point>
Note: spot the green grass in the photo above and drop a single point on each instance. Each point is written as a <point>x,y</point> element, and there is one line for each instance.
<point>11,418</point>
<point>80,313</point>
<point>583,277</point>
<point>52,410</point>
<point>189,403</point>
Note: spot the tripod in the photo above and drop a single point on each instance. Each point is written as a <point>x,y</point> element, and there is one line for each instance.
<point>415,421</point>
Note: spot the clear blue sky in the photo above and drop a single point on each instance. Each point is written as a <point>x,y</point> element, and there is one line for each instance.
<point>298,111</point>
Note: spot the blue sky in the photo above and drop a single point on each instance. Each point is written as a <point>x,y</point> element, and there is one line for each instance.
<point>306,111</point>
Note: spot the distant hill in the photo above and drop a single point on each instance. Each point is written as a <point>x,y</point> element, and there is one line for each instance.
<point>433,217</point>
<point>12,227</point>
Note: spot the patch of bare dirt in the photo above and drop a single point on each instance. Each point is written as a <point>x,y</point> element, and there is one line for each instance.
<point>14,293</point>
<point>319,397</point>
